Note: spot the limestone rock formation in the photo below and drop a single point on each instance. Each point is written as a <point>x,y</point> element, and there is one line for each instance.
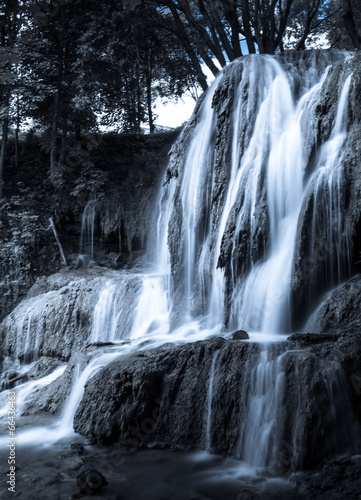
<point>60,314</point>
<point>340,311</point>
<point>161,398</point>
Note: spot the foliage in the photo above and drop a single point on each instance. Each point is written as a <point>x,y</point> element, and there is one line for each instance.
<point>65,67</point>
<point>91,181</point>
<point>222,30</point>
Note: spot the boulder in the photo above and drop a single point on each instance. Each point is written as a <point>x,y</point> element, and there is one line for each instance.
<point>240,335</point>
<point>340,311</point>
<point>89,481</point>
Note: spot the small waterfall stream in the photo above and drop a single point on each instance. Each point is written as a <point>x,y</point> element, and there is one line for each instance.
<point>87,234</point>
<point>266,173</point>
<point>210,397</point>
<point>328,186</point>
<point>266,392</point>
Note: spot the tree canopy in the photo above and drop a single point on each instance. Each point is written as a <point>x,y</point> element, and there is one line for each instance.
<point>69,68</point>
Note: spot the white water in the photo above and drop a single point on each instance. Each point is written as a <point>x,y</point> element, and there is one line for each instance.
<point>269,165</point>
<point>266,162</point>
<point>86,251</point>
<point>195,186</point>
<point>328,194</point>
<point>152,312</point>
<point>29,326</point>
<point>114,311</point>
<point>26,390</point>
<point>259,438</point>
<point>210,396</point>
<point>79,380</point>
<point>261,299</point>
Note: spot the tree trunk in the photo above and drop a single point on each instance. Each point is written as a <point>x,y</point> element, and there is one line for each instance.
<point>215,32</point>
<point>4,138</point>
<point>183,37</point>
<point>223,36</point>
<point>64,142</point>
<point>230,10</point>
<point>139,101</point>
<point>307,27</point>
<point>149,100</point>
<point>53,145</point>
<point>17,133</point>
<point>205,40</point>
<point>350,24</point>
<point>247,27</point>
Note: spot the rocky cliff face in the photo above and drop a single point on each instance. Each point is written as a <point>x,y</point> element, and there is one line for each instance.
<point>315,267</point>
<point>173,395</point>
<point>163,398</point>
<point>64,312</point>
<point>340,310</point>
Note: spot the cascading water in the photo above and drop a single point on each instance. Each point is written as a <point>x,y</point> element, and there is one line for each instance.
<point>86,250</point>
<point>226,234</point>
<point>194,196</point>
<point>210,397</point>
<point>267,166</point>
<point>259,441</point>
<point>261,298</point>
<point>329,195</point>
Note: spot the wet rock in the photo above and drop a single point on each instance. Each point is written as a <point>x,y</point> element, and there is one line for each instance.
<point>334,480</point>
<point>240,335</point>
<point>58,316</point>
<point>340,311</point>
<point>43,367</point>
<point>246,236</point>
<point>89,482</point>
<point>161,398</point>
<point>319,263</point>
<point>77,448</point>
<point>99,344</point>
<point>52,397</point>
<point>311,338</point>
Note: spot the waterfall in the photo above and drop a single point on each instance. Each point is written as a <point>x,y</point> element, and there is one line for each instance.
<point>86,250</point>
<point>113,315</point>
<point>195,186</point>
<point>328,188</point>
<point>267,166</point>
<point>267,287</point>
<point>80,378</point>
<point>226,235</point>
<point>209,409</point>
<point>269,160</point>
<point>259,439</point>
